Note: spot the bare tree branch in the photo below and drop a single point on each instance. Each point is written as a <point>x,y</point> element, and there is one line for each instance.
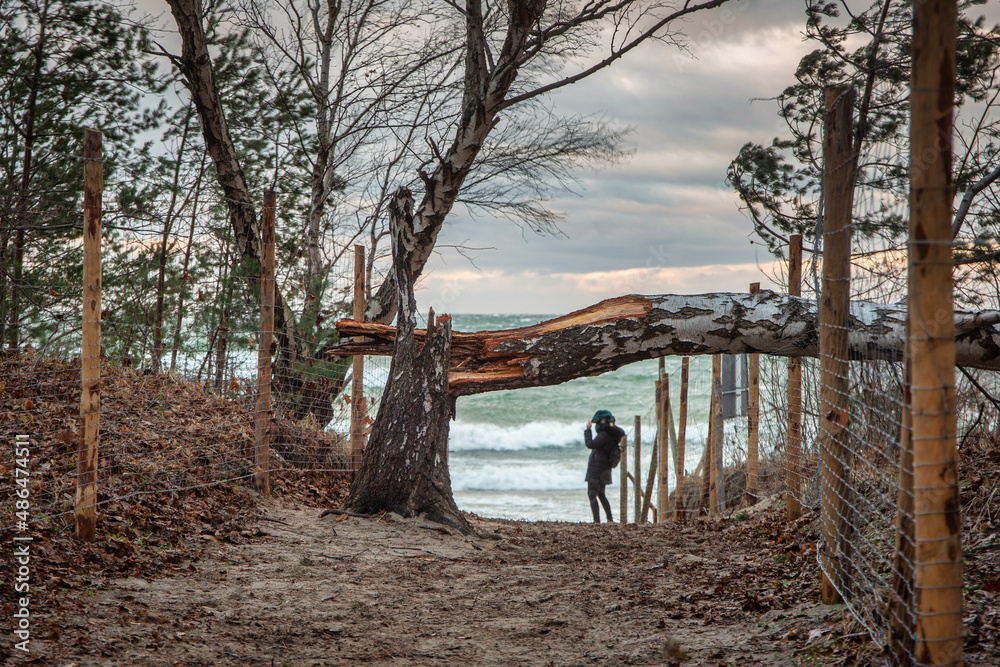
<point>616,53</point>
<point>966,203</point>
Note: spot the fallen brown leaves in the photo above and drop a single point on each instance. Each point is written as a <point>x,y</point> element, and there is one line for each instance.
<point>174,473</point>
<point>175,468</point>
<point>980,475</point>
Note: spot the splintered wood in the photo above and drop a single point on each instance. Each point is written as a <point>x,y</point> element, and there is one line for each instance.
<point>480,357</point>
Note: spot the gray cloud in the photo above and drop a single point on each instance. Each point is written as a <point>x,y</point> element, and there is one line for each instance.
<point>690,117</point>
<point>666,207</point>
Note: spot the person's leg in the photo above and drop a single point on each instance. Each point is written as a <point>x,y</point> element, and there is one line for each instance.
<point>593,489</point>
<point>604,501</point>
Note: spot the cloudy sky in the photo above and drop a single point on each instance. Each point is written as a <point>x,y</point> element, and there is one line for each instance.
<point>664,221</point>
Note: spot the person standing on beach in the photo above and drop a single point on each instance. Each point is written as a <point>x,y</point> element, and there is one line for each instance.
<point>599,466</point>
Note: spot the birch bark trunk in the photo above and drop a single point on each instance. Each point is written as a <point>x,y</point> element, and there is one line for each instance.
<point>620,331</point>
<point>404,468</point>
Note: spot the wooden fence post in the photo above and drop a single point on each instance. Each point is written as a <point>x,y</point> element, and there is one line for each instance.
<point>835,303</point>
<point>262,417</point>
<point>671,432</point>
<point>665,420</point>
<point>657,459</point>
<point>654,460</point>
<point>85,513</point>
<point>793,446</point>
<point>358,368</point>
<point>937,515</point>
<point>681,435</point>
<point>717,492</point>
<point>707,458</point>
<point>623,482</point>
<point>637,474</point>
<point>753,419</point>
<point>647,495</point>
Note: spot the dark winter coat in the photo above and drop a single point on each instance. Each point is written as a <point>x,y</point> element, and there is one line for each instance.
<point>599,466</point>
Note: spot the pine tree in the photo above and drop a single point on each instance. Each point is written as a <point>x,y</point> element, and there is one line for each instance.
<point>64,65</point>
<point>779,184</point>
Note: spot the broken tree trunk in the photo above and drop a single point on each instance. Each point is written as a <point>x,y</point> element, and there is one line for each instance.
<point>404,468</point>
<point>627,329</point>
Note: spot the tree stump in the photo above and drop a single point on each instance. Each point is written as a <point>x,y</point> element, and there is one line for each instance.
<point>404,468</point>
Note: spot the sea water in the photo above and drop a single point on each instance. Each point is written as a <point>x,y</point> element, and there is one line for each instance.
<point>520,454</point>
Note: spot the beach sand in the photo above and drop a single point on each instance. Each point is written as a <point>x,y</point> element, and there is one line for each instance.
<point>336,590</point>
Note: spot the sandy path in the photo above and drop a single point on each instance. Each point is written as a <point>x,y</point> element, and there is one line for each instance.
<point>314,591</point>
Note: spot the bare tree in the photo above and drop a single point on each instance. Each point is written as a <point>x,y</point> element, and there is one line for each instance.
<point>513,53</point>
<point>376,74</point>
<point>383,84</point>
<point>384,81</point>
<point>502,42</point>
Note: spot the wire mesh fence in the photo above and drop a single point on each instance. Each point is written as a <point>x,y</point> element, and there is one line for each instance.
<point>876,550</point>
<point>179,390</point>
<point>179,332</point>
<point>835,436</point>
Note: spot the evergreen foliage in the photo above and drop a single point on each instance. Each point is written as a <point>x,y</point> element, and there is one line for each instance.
<point>779,184</point>
<point>64,65</point>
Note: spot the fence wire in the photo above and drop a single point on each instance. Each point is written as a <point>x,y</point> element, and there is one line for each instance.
<point>870,553</point>
<point>180,330</point>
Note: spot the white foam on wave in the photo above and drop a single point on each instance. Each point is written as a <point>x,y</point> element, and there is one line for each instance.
<point>517,476</point>
<point>466,436</point>
<point>531,506</point>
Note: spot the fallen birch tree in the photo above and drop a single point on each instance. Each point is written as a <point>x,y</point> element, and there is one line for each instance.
<point>405,465</point>
<point>626,329</point>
